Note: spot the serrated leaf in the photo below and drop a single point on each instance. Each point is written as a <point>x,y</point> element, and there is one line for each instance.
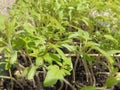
<point>31,73</point>
<point>53,75</point>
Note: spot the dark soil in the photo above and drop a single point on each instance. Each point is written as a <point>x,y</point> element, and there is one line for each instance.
<point>84,74</point>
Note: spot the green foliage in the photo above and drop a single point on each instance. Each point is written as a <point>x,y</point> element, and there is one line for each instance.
<point>32,72</point>
<point>2,21</point>
<point>41,31</point>
<point>53,75</point>
<point>88,87</point>
<point>111,81</point>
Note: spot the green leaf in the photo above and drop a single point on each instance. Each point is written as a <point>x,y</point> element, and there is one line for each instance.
<point>88,22</point>
<point>84,34</point>
<point>91,44</point>
<point>31,73</point>
<point>2,21</point>
<point>29,28</point>
<point>39,61</point>
<point>118,77</point>
<point>25,71</point>
<point>53,75</point>
<point>110,37</point>
<point>60,52</point>
<point>48,58</point>
<point>8,65</point>
<point>66,61</point>
<point>74,35</point>
<point>19,43</point>
<point>80,34</point>
<point>55,57</point>
<point>112,52</point>
<point>68,64</point>
<point>1,39</point>
<point>13,57</point>
<point>111,81</point>
<point>69,47</point>
<point>104,53</point>
<point>1,49</point>
<point>88,88</point>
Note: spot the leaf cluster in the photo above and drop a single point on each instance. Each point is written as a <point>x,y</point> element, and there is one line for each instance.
<point>42,32</point>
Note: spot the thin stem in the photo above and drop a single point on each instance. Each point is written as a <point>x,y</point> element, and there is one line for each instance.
<point>86,70</point>
<point>29,59</point>
<point>74,69</point>
<point>72,87</point>
<point>44,72</point>
<point>11,79</point>
<point>61,86</point>
<point>6,77</point>
<point>39,83</point>
<point>24,57</point>
<point>93,77</point>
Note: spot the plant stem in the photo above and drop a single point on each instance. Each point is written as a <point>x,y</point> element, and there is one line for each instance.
<point>61,86</point>
<point>73,88</point>
<point>7,77</point>
<point>74,69</point>
<point>38,82</point>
